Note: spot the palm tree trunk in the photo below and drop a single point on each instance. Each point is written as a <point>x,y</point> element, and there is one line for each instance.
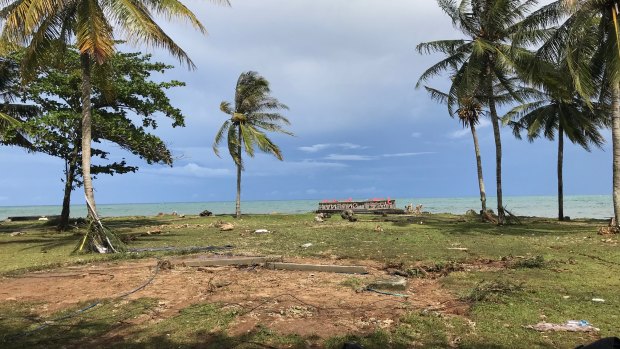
<point>498,145</point>
<point>483,195</point>
<point>615,135</point>
<point>66,200</point>
<point>560,180</point>
<point>86,129</point>
<point>238,202</point>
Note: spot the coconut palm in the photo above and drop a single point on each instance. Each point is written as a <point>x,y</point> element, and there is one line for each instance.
<point>252,113</point>
<point>486,56</point>
<point>10,112</point>
<point>45,25</point>
<point>557,107</point>
<point>468,111</point>
<point>589,37</point>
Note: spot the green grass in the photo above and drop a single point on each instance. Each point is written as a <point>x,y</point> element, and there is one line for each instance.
<point>559,268</point>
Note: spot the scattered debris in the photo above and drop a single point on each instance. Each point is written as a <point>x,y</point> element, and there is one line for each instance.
<point>512,218</point>
<point>224,226</point>
<point>472,213</point>
<point>319,218</point>
<point>569,326</point>
<point>386,293</point>
<point>43,218</point>
<point>261,231</point>
<point>611,229</point>
<point>306,245</point>
<point>329,268</point>
<point>458,248</point>
<point>210,262</point>
<point>598,300</point>
<point>206,213</point>
<point>409,209</point>
<point>152,232</point>
<point>17,233</point>
<point>378,229</point>
<point>392,283</point>
<point>348,214</point>
<point>489,216</point>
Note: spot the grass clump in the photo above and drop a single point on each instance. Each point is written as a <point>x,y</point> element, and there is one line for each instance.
<point>353,283</point>
<point>530,263</point>
<point>492,291</point>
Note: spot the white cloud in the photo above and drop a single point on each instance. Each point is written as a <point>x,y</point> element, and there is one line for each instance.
<point>191,170</point>
<point>465,131</point>
<point>398,155</point>
<point>318,147</point>
<point>416,135</point>
<point>349,157</point>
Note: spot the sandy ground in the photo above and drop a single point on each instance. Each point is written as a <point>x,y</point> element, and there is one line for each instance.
<point>305,303</point>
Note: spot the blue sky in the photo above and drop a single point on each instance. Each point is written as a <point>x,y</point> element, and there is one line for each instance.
<point>347,70</point>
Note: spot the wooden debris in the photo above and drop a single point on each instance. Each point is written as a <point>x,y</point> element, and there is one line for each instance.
<point>346,269</point>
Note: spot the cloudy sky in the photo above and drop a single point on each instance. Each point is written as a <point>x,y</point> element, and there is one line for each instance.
<point>347,70</point>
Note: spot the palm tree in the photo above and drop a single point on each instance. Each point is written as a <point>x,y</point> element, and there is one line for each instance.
<point>486,56</point>
<point>589,37</point>
<point>253,112</point>
<point>468,111</point>
<point>46,25</point>
<point>557,107</point>
<point>11,113</point>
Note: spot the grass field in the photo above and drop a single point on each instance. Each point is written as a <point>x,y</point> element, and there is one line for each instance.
<point>550,271</point>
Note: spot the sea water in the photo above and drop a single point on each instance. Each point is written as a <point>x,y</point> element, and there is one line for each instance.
<point>594,206</point>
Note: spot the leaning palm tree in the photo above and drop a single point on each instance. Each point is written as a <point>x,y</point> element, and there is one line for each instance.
<point>589,37</point>
<point>486,56</point>
<point>47,25</point>
<point>557,107</point>
<point>253,112</point>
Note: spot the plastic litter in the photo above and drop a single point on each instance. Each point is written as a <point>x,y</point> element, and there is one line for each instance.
<point>568,326</point>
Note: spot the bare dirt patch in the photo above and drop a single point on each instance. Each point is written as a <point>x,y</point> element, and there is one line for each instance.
<point>304,303</point>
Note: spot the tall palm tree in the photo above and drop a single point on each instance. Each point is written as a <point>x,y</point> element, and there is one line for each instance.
<point>45,25</point>
<point>589,37</point>
<point>253,112</point>
<point>468,111</point>
<point>557,107</point>
<point>486,56</point>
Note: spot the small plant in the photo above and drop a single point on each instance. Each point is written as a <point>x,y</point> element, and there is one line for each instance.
<point>353,282</point>
<point>492,290</point>
<point>530,263</point>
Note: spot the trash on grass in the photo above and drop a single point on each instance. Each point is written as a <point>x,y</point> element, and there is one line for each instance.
<point>568,326</point>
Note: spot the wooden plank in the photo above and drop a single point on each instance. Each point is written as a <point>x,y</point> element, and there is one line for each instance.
<point>346,269</point>
<point>218,262</point>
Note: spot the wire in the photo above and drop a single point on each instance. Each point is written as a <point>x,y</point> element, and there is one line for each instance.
<point>48,323</point>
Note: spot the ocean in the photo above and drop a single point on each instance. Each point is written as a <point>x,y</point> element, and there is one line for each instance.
<point>592,206</point>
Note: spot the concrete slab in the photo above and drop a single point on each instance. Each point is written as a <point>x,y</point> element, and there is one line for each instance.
<point>392,283</point>
<point>213,262</point>
<point>346,269</point>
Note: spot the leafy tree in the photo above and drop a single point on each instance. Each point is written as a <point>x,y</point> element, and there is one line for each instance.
<point>122,90</point>
<point>45,25</point>
<point>253,112</point>
<point>487,56</point>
